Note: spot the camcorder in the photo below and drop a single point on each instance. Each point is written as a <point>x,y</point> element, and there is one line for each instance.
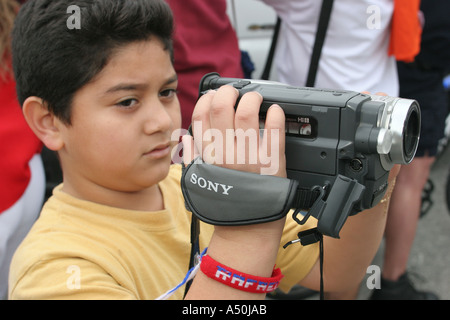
<point>340,145</point>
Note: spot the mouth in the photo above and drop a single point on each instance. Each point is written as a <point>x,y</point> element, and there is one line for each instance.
<point>159,151</point>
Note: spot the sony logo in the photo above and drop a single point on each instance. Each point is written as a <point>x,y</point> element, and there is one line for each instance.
<point>210,185</point>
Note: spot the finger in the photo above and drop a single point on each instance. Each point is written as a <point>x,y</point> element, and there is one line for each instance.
<point>273,144</point>
<point>247,112</point>
<point>222,108</point>
<point>200,120</point>
<point>377,94</point>
<point>221,120</point>
<point>247,128</point>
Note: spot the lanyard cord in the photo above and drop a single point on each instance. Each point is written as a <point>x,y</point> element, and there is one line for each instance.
<point>187,279</point>
<point>321,267</point>
<point>194,261</point>
<point>309,237</point>
<point>195,248</point>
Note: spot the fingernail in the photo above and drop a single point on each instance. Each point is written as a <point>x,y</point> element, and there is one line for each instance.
<point>210,91</point>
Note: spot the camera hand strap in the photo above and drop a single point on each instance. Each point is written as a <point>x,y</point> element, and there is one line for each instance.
<point>221,196</point>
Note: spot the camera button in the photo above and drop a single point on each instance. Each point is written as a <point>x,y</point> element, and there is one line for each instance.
<point>241,84</point>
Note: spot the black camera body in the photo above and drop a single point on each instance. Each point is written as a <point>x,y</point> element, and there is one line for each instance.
<point>341,142</point>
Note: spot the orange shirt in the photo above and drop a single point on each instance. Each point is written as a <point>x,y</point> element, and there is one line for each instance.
<point>406,30</point>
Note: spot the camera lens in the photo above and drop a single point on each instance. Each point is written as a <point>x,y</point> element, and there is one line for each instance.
<point>402,118</point>
<point>405,127</point>
<point>411,133</point>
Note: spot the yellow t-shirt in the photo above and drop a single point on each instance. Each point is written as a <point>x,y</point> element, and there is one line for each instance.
<point>83,250</point>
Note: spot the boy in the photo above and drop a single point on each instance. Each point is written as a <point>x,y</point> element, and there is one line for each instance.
<point>104,97</point>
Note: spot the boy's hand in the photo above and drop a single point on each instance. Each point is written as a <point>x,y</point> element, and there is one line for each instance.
<point>217,135</point>
<point>231,138</point>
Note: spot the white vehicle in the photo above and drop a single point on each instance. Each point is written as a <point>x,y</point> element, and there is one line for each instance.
<point>254,23</point>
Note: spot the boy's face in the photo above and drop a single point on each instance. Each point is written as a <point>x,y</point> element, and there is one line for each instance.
<point>121,124</point>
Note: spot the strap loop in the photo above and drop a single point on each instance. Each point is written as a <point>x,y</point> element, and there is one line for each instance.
<point>221,196</point>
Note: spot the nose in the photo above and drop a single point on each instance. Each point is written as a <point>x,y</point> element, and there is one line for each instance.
<point>157,118</point>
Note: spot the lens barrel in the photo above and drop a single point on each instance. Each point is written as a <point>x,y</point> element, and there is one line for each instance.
<point>402,118</point>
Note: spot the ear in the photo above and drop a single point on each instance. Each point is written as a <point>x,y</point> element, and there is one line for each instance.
<point>44,124</point>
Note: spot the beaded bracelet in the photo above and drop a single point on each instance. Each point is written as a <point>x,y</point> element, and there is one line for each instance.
<point>240,280</point>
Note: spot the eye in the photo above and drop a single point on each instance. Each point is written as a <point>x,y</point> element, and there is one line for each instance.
<point>168,93</point>
<point>128,103</point>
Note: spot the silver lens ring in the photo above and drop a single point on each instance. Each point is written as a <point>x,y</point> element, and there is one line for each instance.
<point>405,127</point>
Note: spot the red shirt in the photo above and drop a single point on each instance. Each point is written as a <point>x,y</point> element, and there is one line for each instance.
<point>18,145</point>
<point>204,41</point>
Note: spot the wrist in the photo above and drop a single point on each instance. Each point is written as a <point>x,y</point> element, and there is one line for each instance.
<point>250,249</point>
<point>240,280</point>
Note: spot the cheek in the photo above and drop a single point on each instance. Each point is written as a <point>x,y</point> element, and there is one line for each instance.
<point>102,143</point>
<point>117,146</point>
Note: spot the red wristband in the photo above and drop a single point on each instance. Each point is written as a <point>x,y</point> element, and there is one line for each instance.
<point>239,280</point>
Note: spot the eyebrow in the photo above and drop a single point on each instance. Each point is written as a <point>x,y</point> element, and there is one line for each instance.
<point>137,86</point>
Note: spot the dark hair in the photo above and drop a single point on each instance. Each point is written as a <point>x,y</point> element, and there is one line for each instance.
<point>52,61</point>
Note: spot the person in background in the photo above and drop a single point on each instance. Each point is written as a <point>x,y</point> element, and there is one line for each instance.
<point>204,42</point>
<point>22,179</point>
<point>363,42</point>
<point>421,80</point>
<point>355,53</point>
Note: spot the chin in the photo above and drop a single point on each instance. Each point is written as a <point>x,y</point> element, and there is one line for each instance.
<point>160,171</point>
<point>150,176</point>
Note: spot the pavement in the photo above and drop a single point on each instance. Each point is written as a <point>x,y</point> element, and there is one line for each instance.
<point>429,262</point>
